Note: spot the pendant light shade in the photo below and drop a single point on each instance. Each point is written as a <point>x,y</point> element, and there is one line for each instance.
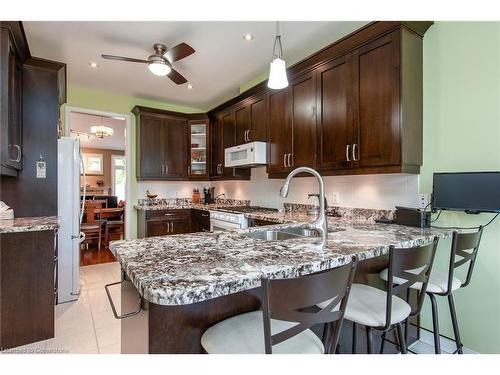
<point>277,71</point>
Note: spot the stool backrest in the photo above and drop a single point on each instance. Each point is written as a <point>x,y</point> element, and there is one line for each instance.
<point>286,300</point>
<point>414,265</point>
<point>465,247</point>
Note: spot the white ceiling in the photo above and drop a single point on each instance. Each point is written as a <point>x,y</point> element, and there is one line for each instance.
<point>82,122</point>
<point>223,61</point>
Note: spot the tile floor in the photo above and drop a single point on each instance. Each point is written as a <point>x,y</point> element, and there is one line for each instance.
<point>86,326</point>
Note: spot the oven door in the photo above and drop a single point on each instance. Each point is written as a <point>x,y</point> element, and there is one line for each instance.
<point>216,224</point>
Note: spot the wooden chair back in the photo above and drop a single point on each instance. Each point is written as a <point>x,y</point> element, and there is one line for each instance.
<point>89,207</point>
<point>414,265</point>
<point>287,300</point>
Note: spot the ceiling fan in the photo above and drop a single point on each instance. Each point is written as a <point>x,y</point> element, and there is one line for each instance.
<point>160,63</point>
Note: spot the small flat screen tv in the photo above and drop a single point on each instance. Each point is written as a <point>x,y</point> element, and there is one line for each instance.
<point>472,192</point>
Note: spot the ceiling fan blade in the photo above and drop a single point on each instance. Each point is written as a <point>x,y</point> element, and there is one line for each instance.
<point>175,76</point>
<point>121,58</point>
<point>178,52</point>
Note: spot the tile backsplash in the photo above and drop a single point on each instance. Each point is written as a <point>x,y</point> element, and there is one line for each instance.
<point>367,191</point>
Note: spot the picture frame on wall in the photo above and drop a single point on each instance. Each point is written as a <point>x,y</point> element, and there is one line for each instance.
<point>93,164</point>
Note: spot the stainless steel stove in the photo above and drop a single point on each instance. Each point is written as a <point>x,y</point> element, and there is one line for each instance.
<point>227,218</point>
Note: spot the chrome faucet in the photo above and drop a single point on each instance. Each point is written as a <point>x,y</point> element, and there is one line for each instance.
<point>320,224</point>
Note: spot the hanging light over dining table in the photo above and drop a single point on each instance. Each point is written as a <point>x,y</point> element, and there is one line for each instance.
<point>277,72</point>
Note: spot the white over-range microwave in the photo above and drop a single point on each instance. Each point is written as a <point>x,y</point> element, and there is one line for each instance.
<point>246,155</point>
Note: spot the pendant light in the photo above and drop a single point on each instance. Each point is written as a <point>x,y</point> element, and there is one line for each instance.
<point>277,72</point>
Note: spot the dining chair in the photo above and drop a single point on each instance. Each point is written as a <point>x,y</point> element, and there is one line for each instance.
<point>92,227</point>
<point>284,323</point>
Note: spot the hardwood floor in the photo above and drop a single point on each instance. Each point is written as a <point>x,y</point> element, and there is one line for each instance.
<point>93,256</point>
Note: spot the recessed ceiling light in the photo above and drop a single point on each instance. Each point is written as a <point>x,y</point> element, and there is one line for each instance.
<point>189,86</point>
<point>247,36</point>
<point>93,64</point>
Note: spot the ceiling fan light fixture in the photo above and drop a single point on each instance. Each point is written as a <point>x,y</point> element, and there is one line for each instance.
<point>277,70</point>
<point>158,66</point>
<point>101,131</point>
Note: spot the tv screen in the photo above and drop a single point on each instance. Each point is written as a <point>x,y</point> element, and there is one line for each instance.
<point>466,191</point>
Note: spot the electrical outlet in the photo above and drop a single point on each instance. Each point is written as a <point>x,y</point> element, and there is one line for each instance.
<point>335,197</point>
<point>423,200</point>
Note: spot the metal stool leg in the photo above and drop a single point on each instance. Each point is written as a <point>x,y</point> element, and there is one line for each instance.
<point>435,324</point>
<point>401,339</point>
<point>454,321</point>
<point>369,339</point>
<point>354,338</point>
<point>382,343</point>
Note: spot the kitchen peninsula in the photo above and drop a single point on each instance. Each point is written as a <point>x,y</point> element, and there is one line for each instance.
<point>186,283</point>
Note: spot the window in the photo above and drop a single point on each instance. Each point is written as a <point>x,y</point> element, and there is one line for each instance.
<point>118,176</point>
<point>93,164</point>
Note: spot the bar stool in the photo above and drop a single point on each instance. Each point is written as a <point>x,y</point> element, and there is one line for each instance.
<point>282,326</point>
<point>383,310</point>
<point>465,246</point>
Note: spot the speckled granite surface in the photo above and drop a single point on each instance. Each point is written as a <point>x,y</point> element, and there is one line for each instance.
<point>179,203</point>
<point>190,268</point>
<point>29,224</point>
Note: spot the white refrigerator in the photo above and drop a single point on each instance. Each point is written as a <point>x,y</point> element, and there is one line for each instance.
<point>69,166</point>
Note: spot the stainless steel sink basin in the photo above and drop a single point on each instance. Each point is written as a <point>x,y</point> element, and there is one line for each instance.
<point>307,232</point>
<point>286,233</point>
<point>271,235</point>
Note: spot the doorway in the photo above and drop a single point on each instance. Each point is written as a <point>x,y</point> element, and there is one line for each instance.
<point>105,149</point>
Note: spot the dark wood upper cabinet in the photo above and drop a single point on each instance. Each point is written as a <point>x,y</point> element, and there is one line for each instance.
<point>151,136</point>
<point>251,119</point>
<point>279,134</point>
<point>302,102</point>
<point>336,115</point>
<point>11,84</point>
<point>243,125</point>
<point>216,149</point>
<point>224,127</point>
<point>162,140</point>
<point>175,151</point>
<point>377,142</point>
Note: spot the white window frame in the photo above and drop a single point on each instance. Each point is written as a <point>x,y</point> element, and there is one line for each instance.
<point>113,157</point>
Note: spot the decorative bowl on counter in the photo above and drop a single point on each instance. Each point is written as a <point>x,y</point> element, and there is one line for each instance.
<point>151,195</point>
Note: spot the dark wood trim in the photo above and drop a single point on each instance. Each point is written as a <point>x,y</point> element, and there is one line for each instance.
<point>138,109</point>
<point>20,42</point>
<point>389,169</point>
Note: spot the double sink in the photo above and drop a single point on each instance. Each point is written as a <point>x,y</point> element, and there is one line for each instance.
<point>286,233</point>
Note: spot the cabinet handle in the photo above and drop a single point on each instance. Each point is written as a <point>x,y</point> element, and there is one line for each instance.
<point>290,161</point>
<point>248,135</point>
<point>172,227</point>
<point>18,153</point>
<point>166,168</point>
<point>284,160</point>
<point>189,169</point>
<point>347,147</point>
<point>354,148</point>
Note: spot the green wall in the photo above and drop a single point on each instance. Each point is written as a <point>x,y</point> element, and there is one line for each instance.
<point>112,102</point>
<point>462,133</point>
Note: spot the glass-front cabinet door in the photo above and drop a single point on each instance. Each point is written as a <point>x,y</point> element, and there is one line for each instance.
<point>198,149</point>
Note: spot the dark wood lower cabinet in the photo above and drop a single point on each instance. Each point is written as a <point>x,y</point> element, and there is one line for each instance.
<point>27,292</point>
<point>168,222</point>
<point>178,329</point>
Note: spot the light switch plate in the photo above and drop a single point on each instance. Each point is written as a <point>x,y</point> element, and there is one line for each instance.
<point>41,169</point>
<point>335,197</point>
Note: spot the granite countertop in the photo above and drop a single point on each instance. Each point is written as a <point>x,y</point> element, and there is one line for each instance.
<point>185,203</point>
<point>29,224</point>
<point>190,268</point>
